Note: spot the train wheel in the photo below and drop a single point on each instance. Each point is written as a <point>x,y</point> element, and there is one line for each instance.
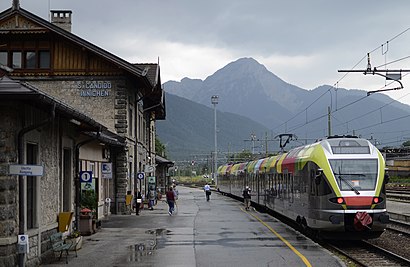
<point>298,220</point>
<point>309,231</point>
<point>304,226</point>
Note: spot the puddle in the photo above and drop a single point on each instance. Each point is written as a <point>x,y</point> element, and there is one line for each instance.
<point>146,248</point>
<point>158,232</point>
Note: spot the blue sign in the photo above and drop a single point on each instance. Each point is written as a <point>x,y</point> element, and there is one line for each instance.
<point>140,175</point>
<point>86,176</point>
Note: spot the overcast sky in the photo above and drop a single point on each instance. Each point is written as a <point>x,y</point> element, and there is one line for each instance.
<point>303,42</point>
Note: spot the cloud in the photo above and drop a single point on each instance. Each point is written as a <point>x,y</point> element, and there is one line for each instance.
<point>302,42</point>
<point>177,60</point>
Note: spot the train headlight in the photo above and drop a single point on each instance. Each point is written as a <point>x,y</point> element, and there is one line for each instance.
<point>337,200</point>
<point>377,200</point>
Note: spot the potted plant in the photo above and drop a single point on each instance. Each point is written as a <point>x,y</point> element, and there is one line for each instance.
<point>88,207</point>
<point>76,240</point>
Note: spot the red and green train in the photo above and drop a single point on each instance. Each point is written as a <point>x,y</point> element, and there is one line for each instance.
<point>334,187</point>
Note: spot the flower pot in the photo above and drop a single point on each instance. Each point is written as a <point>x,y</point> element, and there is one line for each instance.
<point>77,243</point>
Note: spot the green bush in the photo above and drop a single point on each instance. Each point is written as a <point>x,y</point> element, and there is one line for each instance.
<point>88,199</point>
<point>197,180</point>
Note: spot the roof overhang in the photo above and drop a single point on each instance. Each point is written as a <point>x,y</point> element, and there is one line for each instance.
<point>24,92</point>
<point>163,161</point>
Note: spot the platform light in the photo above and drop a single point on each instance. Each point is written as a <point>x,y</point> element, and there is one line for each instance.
<point>76,122</point>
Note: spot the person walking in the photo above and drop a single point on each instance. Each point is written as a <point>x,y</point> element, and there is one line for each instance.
<point>247,197</point>
<point>176,193</point>
<point>207,190</point>
<point>137,200</point>
<point>170,200</point>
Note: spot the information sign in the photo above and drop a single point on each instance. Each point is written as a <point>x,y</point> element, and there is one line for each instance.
<point>27,170</point>
<point>106,170</point>
<point>86,176</point>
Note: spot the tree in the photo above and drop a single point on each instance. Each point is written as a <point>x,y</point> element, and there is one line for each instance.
<point>407,143</point>
<point>241,157</point>
<point>159,147</point>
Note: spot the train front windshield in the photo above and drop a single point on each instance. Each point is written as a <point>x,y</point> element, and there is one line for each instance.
<point>355,174</point>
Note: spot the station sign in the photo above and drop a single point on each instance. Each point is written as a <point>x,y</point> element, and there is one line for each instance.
<point>149,168</point>
<point>26,170</point>
<point>151,180</point>
<point>22,244</point>
<point>86,176</point>
<point>106,170</point>
<point>140,175</point>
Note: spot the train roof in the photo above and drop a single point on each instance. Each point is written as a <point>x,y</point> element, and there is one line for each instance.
<point>334,146</point>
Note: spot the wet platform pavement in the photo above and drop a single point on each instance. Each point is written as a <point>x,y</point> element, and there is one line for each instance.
<point>398,210</point>
<point>214,233</point>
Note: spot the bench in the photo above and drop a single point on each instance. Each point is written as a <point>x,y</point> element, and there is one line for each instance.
<point>59,245</point>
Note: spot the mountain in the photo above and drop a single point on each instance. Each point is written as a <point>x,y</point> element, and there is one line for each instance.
<point>245,87</point>
<point>189,130</point>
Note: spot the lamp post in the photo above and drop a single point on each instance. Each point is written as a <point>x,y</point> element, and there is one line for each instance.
<point>214,101</point>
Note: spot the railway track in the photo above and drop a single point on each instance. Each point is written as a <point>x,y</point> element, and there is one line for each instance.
<point>400,195</point>
<point>399,227</point>
<point>366,254</point>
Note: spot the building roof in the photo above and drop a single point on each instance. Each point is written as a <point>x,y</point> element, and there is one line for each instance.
<point>161,160</point>
<point>136,70</point>
<point>15,90</point>
<point>147,73</point>
<point>156,98</point>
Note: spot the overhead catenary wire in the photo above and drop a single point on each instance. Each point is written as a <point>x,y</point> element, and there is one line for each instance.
<point>336,85</point>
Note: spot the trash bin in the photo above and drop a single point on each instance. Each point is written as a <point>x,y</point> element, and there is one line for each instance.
<point>86,222</point>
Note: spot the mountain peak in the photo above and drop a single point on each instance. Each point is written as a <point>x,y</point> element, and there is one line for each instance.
<point>246,65</point>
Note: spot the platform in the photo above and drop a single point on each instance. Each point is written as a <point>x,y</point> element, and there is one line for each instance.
<point>215,233</point>
<point>398,210</point>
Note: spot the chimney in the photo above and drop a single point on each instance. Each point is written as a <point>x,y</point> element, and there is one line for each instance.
<point>16,4</point>
<point>61,18</point>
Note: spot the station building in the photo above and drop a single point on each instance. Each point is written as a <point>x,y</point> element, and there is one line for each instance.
<point>73,109</point>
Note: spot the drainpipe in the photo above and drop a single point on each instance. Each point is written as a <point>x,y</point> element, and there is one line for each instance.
<point>77,178</point>
<point>21,157</point>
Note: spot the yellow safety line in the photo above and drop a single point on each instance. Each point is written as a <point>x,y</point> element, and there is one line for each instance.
<point>303,258</point>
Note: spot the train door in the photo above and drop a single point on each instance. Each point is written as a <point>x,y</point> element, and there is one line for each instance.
<point>312,174</point>
<point>285,183</point>
<point>245,179</point>
<point>268,188</point>
<point>258,182</point>
<point>280,185</point>
<point>291,189</point>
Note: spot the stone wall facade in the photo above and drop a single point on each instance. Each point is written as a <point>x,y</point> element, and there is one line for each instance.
<point>8,185</point>
<point>109,101</point>
<point>47,188</point>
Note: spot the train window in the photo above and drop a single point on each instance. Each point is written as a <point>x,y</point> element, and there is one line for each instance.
<point>349,146</point>
<point>291,189</point>
<point>355,174</point>
<point>323,187</point>
<point>279,185</point>
<point>275,189</point>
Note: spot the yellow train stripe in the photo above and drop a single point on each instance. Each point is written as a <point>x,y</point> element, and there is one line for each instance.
<point>300,255</point>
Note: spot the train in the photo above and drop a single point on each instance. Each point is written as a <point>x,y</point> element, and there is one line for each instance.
<point>334,187</point>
